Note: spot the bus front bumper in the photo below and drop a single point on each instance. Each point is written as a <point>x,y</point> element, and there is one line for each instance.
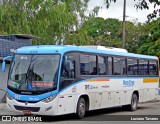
<point>38,108</point>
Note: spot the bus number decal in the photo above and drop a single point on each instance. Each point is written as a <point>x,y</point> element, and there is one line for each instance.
<point>18,97</point>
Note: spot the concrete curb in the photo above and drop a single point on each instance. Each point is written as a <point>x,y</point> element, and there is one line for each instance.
<point>3,106</point>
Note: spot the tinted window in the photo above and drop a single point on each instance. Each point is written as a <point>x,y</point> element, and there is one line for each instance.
<point>110,66</point>
<point>153,68</point>
<point>68,70</point>
<point>132,67</point>
<point>88,65</point>
<point>143,67</point>
<point>119,66</point>
<point>68,67</point>
<point>101,65</point>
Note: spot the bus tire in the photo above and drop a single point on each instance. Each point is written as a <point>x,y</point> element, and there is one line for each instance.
<point>134,103</point>
<point>81,108</point>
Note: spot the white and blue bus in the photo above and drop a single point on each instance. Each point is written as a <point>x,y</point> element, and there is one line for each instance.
<point>57,80</point>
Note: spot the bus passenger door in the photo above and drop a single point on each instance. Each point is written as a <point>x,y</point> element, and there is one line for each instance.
<point>66,100</point>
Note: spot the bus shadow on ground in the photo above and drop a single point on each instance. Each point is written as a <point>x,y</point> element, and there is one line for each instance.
<point>95,115</point>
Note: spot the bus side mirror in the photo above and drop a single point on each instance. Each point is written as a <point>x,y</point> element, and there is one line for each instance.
<point>3,66</point>
<point>4,62</point>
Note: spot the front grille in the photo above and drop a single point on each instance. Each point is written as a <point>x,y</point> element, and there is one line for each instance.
<point>27,101</point>
<point>22,108</point>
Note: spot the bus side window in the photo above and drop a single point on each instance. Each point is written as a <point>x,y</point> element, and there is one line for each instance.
<point>68,69</point>
<point>88,64</point>
<point>119,66</point>
<point>110,66</point>
<point>132,66</point>
<point>84,64</point>
<point>143,67</point>
<point>153,71</point>
<point>92,64</point>
<point>101,65</point>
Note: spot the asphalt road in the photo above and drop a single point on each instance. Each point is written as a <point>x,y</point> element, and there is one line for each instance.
<point>117,115</point>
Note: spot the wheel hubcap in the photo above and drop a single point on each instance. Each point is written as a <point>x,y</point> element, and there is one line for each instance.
<point>81,109</point>
<point>134,103</point>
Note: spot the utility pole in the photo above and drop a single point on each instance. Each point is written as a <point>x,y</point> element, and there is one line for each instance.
<point>124,29</point>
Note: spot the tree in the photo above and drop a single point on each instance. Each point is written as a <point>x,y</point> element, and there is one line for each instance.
<point>102,32</point>
<point>150,43</point>
<point>135,33</point>
<point>93,26</point>
<point>49,19</point>
<point>109,32</point>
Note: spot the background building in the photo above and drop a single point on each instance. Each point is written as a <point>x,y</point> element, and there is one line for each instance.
<point>8,44</point>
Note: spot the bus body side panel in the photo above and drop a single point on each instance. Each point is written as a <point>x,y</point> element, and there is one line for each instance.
<point>109,92</point>
<point>106,92</point>
<point>102,93</point>
<point>66,103</point>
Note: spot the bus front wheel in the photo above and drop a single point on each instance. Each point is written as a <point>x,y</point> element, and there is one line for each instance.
<point>81,108</point>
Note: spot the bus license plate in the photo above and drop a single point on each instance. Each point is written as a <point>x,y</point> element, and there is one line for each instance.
<point>27,112</point>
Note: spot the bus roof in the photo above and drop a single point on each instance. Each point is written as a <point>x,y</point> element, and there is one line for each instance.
<point>49,49</point>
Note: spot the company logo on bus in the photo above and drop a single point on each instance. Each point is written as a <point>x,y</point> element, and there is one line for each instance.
<point>128,83</point>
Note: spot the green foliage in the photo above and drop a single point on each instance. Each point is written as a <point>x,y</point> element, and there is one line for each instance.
<point>144,48</point>
<point>57,21</point>
<point>93,26</point>
<point>49,19</point>
<point>102,32</point>
<point>140,38</point>
<point>78,38</point>
<point>151,43</point>
<point>134,34</point>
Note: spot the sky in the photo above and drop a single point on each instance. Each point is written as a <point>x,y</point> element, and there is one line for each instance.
<point>116,10</point>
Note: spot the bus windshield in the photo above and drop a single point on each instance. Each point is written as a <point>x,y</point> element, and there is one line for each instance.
<point>34,73</point>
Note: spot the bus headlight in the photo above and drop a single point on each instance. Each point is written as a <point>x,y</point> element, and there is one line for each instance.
<point>9,97</point>
<point>49,99</point>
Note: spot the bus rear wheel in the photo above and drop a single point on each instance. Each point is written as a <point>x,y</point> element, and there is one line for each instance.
<point>81,108</point>
<point>134,103</point>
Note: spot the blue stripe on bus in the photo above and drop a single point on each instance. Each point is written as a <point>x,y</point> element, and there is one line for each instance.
<point>33,98</point>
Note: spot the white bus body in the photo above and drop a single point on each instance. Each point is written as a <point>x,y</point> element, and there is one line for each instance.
<point>90,93</point>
